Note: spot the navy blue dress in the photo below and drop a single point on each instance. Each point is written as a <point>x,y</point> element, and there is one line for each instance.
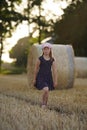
<point>44,75</point>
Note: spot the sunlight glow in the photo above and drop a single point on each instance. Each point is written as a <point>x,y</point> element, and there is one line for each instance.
<point>53,7</point>
<point>6,58</point>
<point>23,29</point>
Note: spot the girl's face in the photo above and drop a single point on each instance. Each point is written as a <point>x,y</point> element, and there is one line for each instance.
<point>46,51</point>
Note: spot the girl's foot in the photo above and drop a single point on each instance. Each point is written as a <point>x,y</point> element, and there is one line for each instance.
<point>43,106</point>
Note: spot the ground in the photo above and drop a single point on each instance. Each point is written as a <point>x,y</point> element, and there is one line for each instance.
<point>20,106</point>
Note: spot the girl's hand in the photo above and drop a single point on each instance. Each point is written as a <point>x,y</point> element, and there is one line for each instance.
<point>55,84</point>
<point>34,82</point>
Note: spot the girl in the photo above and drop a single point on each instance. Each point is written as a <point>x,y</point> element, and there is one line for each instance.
<point>43,79</point>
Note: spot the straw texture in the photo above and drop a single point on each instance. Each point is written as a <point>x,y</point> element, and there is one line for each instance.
<point>64,56</point>
<point>80,67</point>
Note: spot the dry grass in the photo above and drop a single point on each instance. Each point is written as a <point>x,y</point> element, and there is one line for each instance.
<point>20,106</point>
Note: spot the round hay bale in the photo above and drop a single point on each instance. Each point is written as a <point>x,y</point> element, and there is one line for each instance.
<point>64,56</point>
<point>80,67</point>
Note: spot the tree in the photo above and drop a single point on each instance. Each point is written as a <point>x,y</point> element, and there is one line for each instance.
<point>9,19</point>
<point>72,28</point>
<point>20,56</point>
<point>38,19</point>
<point>23,45</point>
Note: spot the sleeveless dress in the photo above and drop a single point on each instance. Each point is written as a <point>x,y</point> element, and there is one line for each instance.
<point>44,75</point>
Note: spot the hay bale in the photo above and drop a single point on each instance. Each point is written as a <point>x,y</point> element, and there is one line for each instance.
<point>80,67</point>
<point>64,56</point>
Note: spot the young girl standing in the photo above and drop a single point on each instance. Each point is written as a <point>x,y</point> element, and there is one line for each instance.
<point>43,79</point>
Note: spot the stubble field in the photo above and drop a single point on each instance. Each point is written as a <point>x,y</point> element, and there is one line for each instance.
<point>20,107</point>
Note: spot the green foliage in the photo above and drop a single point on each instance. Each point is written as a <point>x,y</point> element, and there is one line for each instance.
<point>11,68</point>
<point>72,28</point>
<point>9,19</point>
<point>9,15</point>
<point>16,70</point>
<point>21,50</point>
<point>36,2</point>
<point>39,20</point>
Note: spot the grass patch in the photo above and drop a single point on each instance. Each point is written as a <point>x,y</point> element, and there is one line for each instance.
<point>15,70</point>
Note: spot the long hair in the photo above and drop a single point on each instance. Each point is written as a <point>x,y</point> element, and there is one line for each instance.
<point>51,57</point>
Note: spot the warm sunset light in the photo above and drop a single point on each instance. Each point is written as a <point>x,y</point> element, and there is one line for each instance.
<point>23,29</point>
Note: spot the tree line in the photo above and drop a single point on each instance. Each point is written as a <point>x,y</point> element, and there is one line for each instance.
<point>71,29</point>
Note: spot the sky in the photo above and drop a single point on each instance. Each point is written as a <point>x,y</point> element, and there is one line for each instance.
<point>23,30</point>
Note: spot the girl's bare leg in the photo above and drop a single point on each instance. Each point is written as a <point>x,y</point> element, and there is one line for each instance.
<point>45,96</point>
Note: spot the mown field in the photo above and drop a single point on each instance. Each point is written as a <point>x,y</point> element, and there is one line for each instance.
<point>20,107</point>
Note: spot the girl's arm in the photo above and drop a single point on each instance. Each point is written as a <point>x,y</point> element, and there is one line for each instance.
<point>54,68</point>
<point>36,70</point>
